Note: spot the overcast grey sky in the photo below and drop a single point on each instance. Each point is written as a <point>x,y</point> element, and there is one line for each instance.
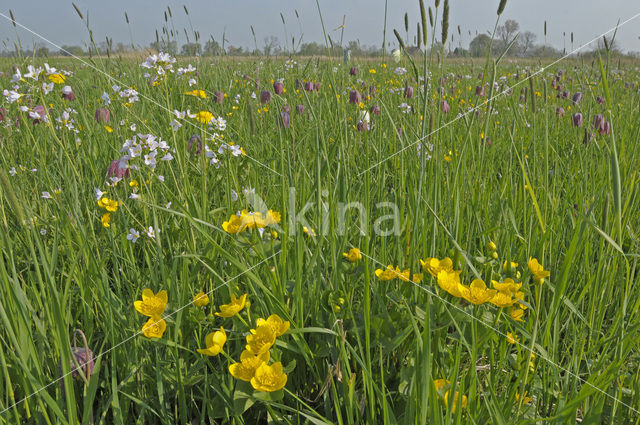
<point>58,21</point>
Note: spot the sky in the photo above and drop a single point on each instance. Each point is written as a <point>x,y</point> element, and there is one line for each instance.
<point>58,22</point>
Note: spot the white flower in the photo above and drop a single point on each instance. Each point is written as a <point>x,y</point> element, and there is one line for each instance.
<point>133,235</point>
<point>43,232</point>
<point>400,71</point>
<point>167,157</point>
<point>134,196</point>
<point>11,95</point>
<point>234,195</point>
<point>46,195</point>
<point>168,205</point>
<point>105,98</point>
<point>151,232</point>
<point>98,193</point>
<point>46,88</point>
<point>175,125</point>
<point>161,177</point>
<point>397,55</point>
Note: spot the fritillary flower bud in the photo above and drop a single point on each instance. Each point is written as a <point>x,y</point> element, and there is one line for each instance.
<point>308,86</point>
<point>218,97</point>
<point>278,87</point>
<point>3,114</point>
<point>373,90</point>
<point>67,93</point>
<point>300,109</point>
<point>408,92</point>
<point>480,91</point>
<point>445,107</point>
<point>577,120</point>
<point>316,86</point>
<point>363,126</point>
<point>286,119</point>
<point>560,112</point>
<point>265,97</point>
<point>440,91</point>
<point>577,97</point>
<point>353,71</point>
<point>598,123</point>
<point>566,94</point>
<point>375,110</point>
<point>195,139</point>
<point>600,100</point>
<point>118,169</point>
<point>102,115</point>
<point>355,97</point>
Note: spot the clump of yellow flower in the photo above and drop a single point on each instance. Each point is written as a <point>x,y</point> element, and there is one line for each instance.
<point>197,93</point>
<point>153,305</point>
<point>250,220</point>
<point>353,255</point>
<point>233,308</point>
<point>253,366</point>
<point>108,204</point>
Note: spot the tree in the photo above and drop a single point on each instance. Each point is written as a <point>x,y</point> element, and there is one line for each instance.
<point>212,48</point>
<point>507,31</point>
<point>71,50</point>
<point>271,45</point>
<point>311,49</point>
<point>191,49</point>
<point>528,40</point>
<point>479,46</point>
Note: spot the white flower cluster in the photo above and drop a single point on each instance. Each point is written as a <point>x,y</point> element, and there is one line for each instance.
<point>66,121</point>
<point>146,146</point>
<point>188,72</point>
<point>162,64</point>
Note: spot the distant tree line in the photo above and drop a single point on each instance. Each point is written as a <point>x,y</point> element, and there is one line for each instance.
<point>508,40</point>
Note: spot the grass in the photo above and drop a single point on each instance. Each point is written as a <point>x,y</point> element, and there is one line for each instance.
<point>359,350</point>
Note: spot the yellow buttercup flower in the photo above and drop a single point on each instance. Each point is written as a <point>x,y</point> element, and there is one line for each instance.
<point>233,308</point>
<point>353,255</point>
<point>516,314</point>
<point>57,78</point>
<point>152,305</point>
<point>155,327</point>
<point>508,286</point>
<point>201,299</point>
<point>512,338</point>
<point>539,273</point>
<point>502,300</point>
<point>214,342</point>
<point>478,293</point>
<point>442,385</point>
<point>249,362</point>
<point>204,117</point>
<point>435,266</point>
<point>276,323</point>
<point>449,281</point>
<point>106,220</point>
<point>509,265</point>
<point>525,399</point>
<point>269,378</point>
<point>261,339</point>
<point>404,276</point>
<point>108,204</point>
<point>233,225</point>
<point>387,274</point>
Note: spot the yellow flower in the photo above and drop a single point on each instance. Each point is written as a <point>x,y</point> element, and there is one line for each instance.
<point>372,71</point>
<point>502,300</point>
<point>197,93</point>
<point>404,276</point>
<point>353,255</point>
<point>57,78</point>
<point>261,339</point>
<point>108,204</point>
<point>109,129</point>
<point>449,281</point>
<point>525,399</point>
<point>441,385</point>
<point>249,362</point>
<point>233,308</point>
<point>106,220</point>
<point>509,265</point>
<point>133,183</point>
<point>276,323</point>
<point>269,378</point>
<point>200,299</point>
<point>204,117</point>
<point>152,305</point>
<point>508,286</point>
<point>435,266</point>
<point>516,314</point>
<point>214,341</point>
<point>478,293</point>
<point>512,338</point>
<point>308,232</point>
<point>155,327</point>
<point>233,225</point>
<point>387,274</point>
<point>539,273</point>
<point>491,246</point>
